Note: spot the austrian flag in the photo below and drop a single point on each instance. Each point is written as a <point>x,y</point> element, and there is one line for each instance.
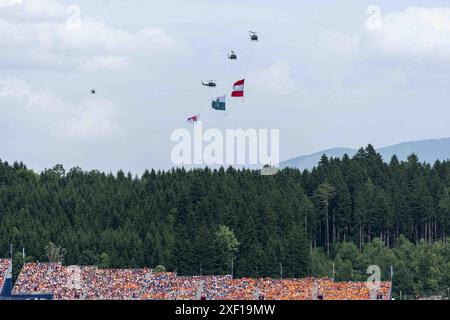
<point>238,89</point>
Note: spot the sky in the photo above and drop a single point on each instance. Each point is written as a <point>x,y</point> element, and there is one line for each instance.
<point>325,73</point>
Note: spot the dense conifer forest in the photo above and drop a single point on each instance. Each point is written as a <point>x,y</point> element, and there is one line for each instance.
<point>344,215</point>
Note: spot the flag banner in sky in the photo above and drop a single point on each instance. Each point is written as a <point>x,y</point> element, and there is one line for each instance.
<point>238,89</point>
<point>193,119</point>
<point>219,103</point>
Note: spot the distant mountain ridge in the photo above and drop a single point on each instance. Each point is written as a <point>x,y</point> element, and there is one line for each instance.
<point>427,150</point>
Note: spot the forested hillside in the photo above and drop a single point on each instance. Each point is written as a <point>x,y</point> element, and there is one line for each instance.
<point>356,212</point>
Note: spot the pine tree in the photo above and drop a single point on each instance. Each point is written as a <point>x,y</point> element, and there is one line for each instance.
<point>324,193</point>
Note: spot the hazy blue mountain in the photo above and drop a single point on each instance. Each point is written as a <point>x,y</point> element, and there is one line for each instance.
<point>427,151</point>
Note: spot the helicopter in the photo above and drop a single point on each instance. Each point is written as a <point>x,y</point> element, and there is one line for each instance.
<point>253,36</point>
<point>232,56</point>
<point>209,83</point>
<point>93,92</point>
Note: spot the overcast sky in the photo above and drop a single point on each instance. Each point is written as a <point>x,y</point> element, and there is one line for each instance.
<point>318,74</point>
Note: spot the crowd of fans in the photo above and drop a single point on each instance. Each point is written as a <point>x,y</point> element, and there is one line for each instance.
<point>91,283</point>
<point>65,283</point>
<point>287,289</point>
<point>167,286</point>
<point>328,289</point>
<point>188,288</point>
<point>116,284</point>
<point>226,288</point>
<point>38,278</point>
<point>4,266</point>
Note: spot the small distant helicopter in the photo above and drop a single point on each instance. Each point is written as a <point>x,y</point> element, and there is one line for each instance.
<point>93,91</point>
<point>253,36</point>
<point>232,56</point>
<point>209,83</point>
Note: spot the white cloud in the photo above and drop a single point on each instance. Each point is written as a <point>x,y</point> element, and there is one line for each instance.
<point>98,36</point>
<point>157,34</point>
<point>9,3</point>
<point>95,118</point>
<point>60,34</point>
<point>33,9</point>
<point>415,32</point>
<point>43,8</point>
<point>105,62</point>
<point>14,88</point>
<point>92,119</point>
<point>416,35</point>
<point>339,43</point>
<point>275,79</point>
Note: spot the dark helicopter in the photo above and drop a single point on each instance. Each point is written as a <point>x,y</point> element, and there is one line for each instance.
<point>93,91</point>
<point>232,56</point>
<point>253,36</point>
<point>210,83</point>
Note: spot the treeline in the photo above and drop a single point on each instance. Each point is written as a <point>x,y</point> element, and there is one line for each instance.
<point>422,269</point>
<point>209,221</point>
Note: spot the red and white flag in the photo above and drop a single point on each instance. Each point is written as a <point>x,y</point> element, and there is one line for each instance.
<point>238,89</point>
<point>193,119</point>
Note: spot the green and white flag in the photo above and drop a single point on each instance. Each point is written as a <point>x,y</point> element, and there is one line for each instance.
<point>219,103</point>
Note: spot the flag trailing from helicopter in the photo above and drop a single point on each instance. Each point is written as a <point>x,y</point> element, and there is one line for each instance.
<point>219,103</point>
<point>193,119</point>
<point>238,89</point>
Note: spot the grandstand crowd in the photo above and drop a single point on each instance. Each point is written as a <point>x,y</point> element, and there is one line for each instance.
<point>92,283</point>
<point>4,266</point>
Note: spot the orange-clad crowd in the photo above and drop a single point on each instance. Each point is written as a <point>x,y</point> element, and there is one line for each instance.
<point>327,289</point>
<point>287,289</point>
<point>92,283</point>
